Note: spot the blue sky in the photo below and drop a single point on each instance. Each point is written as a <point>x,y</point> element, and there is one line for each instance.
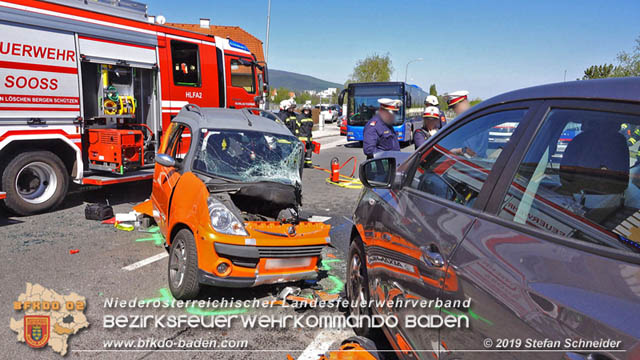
<point>487,47</point>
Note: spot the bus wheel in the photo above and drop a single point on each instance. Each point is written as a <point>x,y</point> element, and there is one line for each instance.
<point>34,181</point>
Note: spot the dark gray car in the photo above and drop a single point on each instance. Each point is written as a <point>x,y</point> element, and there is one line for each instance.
<point>529,205</point>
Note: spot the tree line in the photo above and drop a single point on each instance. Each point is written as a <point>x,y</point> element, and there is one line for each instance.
<point>626,64</point>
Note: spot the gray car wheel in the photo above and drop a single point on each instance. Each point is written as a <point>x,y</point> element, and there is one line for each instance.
<point>358,286</point>
<point>183,266</point>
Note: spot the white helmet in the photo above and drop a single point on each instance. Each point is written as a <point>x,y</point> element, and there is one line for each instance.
<point>431,100</point>
<point>284,104</point>
<point>292,104</point>
<point>431,112</point>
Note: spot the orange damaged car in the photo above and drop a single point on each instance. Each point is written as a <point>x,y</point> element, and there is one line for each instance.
<point>226,196</point>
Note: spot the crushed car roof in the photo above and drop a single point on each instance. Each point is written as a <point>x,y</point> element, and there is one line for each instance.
<point>219,118</point>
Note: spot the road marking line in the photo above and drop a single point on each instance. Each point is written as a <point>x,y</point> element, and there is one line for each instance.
<point>322,341</point>
<point>146,261</point>
<point>318,218</point>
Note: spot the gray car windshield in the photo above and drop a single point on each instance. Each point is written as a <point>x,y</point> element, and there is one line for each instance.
<point>249,156</point>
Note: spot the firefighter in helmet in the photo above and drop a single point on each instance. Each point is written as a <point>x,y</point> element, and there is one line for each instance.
<point>304,127</point>
<point>282,114</point>
<point>291,117</point>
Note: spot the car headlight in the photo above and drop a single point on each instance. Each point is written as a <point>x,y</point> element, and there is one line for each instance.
<point>223,220</point>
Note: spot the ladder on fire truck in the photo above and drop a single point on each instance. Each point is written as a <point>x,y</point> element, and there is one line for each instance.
<point>122,8</point>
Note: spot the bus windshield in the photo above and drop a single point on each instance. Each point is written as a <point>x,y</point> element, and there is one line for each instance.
<point>364,103</point>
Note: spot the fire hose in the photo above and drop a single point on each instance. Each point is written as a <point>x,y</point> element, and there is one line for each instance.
<point>338,179</point>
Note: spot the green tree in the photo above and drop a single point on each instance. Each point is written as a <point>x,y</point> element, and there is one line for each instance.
<point>373,68</point>
<point>283,93</point>
<point>598,72</point>
<point>303,97</point>
<point>432,90</point>
<point>442,101</point>
<point>475,101</point>
<point>628,64</point>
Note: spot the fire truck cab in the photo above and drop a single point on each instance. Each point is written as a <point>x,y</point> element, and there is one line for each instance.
<point>86,90</point>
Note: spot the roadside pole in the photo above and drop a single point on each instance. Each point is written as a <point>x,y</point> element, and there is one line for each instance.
<point>266,45</point>
<point>320,118</point>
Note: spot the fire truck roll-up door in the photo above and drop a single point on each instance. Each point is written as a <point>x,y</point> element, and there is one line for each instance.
<point>132,72</point>
<point>38,75</point>
<point>120,102</point>
<point>114,53</point>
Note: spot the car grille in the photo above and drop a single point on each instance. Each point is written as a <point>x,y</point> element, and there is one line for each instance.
<point>289,251</point>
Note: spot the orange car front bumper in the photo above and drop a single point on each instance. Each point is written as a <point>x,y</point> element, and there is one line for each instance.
<point>270,254</point>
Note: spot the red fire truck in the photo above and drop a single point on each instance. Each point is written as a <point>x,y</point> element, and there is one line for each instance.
<point>86,88</point>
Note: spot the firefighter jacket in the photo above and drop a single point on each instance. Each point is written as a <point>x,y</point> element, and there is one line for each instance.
<point>304,126</point>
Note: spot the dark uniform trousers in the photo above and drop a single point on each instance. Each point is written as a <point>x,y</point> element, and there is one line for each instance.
<point>304,126</point>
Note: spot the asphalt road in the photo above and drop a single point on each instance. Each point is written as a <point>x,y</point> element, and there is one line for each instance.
<point>36,249</point>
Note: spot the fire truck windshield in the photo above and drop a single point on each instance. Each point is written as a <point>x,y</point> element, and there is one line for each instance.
<point>249,156</point>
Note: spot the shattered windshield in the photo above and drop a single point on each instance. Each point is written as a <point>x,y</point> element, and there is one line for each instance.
<point>249,156</point>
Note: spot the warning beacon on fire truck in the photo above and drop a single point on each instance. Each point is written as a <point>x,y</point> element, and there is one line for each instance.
<point>87,89</point>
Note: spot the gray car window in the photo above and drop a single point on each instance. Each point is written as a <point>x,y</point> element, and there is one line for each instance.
<point>457,166</point>
<point>580,179</point>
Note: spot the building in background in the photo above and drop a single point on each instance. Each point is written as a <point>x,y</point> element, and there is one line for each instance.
<point>234,33</point>
<point>329,92</point>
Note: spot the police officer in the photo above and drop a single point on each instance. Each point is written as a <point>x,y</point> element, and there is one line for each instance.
<point>304,126</point>
<point>458,101</point>
<point>431,124</point>
<point>378,134</point>
<point>432,100</point>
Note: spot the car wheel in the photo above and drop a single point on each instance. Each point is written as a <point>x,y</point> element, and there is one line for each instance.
<point>358,286</point>
<point>183,266</point>
<point>34,181</point>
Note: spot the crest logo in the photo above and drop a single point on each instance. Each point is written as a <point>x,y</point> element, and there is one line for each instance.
<point>36,330</point>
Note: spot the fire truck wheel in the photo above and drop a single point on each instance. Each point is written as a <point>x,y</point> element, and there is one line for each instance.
<point>35,182</point>
<point>183,266</point>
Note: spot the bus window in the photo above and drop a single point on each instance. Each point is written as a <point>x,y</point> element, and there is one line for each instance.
<point>242,76</point>
<point>186,64</point>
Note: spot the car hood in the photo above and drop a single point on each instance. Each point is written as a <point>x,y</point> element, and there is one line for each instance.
<point>269,212</point>
<point>278,194</point>
<point>275,233</point>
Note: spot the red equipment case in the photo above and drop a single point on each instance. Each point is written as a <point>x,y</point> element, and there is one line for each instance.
<point>115,150</point>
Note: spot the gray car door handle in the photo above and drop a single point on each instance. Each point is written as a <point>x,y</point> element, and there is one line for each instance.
<point>431,256</point>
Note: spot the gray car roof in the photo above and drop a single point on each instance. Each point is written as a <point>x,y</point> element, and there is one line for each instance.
<point>235,119</point>
<point>620,89</point>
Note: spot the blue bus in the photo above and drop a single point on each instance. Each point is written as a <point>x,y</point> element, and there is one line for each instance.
<point>362,104</point>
